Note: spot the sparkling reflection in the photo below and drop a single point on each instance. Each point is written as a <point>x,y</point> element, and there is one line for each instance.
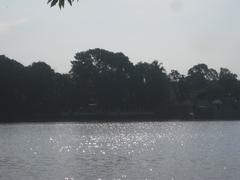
<point>157,150</point>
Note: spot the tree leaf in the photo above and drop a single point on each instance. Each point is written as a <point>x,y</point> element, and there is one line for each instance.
<point>70,2</point>
<point>54,2</point>
<point>61,3</point>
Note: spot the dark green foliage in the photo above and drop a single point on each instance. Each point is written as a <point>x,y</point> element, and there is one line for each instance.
<point>152,85</point>
<point>12,88</point>
<point>40,92</point>
<point>104,81</point>
<point>61,3</point>
<point>104,76</point>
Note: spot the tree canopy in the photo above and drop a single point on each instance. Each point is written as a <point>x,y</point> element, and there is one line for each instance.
<point>105,81</point>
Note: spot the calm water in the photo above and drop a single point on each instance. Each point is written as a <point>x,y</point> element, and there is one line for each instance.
<point>112,151</point>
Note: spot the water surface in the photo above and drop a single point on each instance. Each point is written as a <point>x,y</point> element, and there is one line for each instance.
<point>114,151</point>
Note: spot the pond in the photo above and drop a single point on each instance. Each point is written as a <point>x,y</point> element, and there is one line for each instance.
<point>112,151</point>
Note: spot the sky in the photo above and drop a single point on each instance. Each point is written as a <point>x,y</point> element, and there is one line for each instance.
<point>178,33</point>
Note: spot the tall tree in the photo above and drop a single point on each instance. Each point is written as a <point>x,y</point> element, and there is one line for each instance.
<point>102,77</point>
<point>40,86</point>
<point>229,81</point>
<point>12,91</point>
<point>152,85</point>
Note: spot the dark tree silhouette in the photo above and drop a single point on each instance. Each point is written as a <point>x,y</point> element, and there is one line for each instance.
<point>151,84</point>
<point>102,78</point>
<point>40,86</point>
<point>229,81</point>
<point>199,77</point>
<point>12,91</point>
<point>175,76</point>
<point>104,81</point>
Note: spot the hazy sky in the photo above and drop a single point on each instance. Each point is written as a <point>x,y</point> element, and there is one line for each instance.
<point>179,33</point>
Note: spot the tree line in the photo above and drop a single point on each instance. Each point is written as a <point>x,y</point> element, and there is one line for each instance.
<point>104,81</point>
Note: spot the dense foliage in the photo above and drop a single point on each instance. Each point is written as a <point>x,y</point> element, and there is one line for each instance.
<point>103,81</point>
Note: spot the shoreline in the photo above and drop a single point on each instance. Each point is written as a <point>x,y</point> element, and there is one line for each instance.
<point>105,118</point>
